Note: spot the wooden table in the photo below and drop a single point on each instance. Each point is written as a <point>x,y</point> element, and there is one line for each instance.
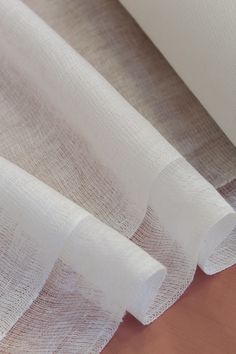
<point>203,321</point>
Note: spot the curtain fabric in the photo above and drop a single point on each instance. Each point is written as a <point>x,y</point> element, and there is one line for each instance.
<point>99,214</point>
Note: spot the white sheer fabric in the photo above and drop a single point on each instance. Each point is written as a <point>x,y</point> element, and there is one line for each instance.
<point>88,173</point>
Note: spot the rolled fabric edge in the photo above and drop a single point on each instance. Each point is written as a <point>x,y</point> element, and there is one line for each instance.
<point>127,275</point>
<point>217,234</point>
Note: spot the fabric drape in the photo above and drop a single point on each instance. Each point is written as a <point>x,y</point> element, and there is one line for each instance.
<point>99,213</point>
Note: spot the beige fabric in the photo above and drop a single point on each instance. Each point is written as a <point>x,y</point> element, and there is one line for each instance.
<point>105,34</point>
<point>67,316</point>
<point>198,40</point>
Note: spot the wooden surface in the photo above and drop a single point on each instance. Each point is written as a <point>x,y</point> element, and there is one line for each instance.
<point>203,321</point>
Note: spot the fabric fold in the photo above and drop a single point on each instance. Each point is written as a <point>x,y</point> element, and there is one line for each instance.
<point>35,223</point>
<point>193,212</point>
<point>55,228</point>
<point>63,123</point>
<point>95,110</point>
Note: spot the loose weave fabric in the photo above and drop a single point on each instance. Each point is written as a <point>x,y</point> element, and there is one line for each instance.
<point>100,214</point>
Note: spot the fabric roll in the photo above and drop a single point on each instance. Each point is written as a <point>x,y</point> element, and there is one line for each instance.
<point>128,277</point>
<point>121,138</point>
<point>61,229</point>
<point>198,40</point>
<point>35,223</point>
<point>63,123</point>
<point>193,212</point>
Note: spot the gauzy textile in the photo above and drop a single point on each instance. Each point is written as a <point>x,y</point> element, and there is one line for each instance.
<point>102,211</point>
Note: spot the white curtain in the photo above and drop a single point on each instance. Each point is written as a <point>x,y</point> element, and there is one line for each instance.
<point>99,213</point>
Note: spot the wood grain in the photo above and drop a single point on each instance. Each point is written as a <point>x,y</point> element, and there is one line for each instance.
<point>203,321</point>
